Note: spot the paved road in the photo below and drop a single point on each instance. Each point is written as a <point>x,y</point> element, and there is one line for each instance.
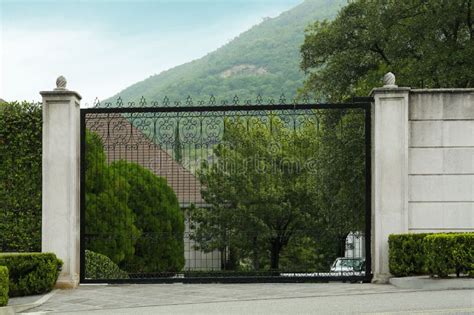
<point>257,299</point>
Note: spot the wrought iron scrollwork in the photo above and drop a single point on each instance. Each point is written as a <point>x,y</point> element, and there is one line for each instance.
<point>177,139</point>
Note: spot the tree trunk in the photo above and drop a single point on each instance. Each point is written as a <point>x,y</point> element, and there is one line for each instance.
<point>223,258</point>
<point>256,260</point>
<point>255,255</point>
<point>275,254</point>
<point>233,259</point>
<point>341,246</point>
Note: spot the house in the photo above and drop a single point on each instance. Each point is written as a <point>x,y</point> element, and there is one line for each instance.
<point>355,245</point>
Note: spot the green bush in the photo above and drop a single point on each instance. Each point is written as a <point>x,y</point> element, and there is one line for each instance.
<point>99,266</point>
<point>31,273</point>
<point>449,253</point>
<point>406,254</point>
<point>20,177</point>
<point>3,286</point>
<point>110,223</point>
<point>160,248</point>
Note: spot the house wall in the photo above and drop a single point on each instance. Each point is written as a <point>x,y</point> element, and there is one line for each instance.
<point>355,245</point>
<point>197,260</point>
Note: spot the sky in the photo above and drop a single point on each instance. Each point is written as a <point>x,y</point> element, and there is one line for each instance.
<point>104,46</point>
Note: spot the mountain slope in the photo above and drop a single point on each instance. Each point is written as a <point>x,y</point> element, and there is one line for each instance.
<point>263,60</point>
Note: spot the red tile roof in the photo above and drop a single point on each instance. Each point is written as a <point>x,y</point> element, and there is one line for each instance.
<point>123,141</point>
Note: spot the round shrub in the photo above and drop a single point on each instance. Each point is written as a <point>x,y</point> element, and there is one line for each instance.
<point>110,223</point>
<point>160,247</point>
<point>99,266</point>
<point>31,273</point>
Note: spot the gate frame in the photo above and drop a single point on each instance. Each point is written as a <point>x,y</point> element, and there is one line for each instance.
<point>364,103</point>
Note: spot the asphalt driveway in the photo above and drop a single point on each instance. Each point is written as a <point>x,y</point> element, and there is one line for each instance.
<point>305,298</point>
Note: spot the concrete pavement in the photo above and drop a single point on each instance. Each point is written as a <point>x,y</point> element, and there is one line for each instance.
<point>256,299</point>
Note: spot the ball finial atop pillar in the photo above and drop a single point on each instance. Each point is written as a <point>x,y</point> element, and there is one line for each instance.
<point>389,80</point>
<point>61,83</point>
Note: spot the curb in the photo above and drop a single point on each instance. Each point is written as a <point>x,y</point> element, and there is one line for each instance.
<point>428,283</point>
<point>14,309</point>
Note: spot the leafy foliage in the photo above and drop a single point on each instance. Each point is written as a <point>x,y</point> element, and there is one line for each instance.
<point>263,60</point>
<point>20,176</point>
<point>449,253</point>
<point>338,195</point>
<point>305,254</point>
<point>4,281</point>
<point>407,254</point>
<point>158,217</point>
<point>256,196</point>
<point>99,266</point>
<point>133,216</point>
<point>265,193</point>
<point>427,44</point>
<point>31,273</point>
<point>110,221</point>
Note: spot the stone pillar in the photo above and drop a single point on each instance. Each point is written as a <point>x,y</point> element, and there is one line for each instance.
<point>389,170</point>
<point>61,179</point>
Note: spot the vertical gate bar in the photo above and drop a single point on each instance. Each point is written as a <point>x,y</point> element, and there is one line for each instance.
<point>368,192</point>
<point>82,197</point>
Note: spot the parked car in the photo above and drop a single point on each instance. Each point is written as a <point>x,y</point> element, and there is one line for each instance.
<point>349,266</point>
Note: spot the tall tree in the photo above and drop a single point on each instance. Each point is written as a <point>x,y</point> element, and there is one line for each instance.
<point>178,154</point>
<point>427,44</point>
<point>339,201</point>
<point>255,189</point>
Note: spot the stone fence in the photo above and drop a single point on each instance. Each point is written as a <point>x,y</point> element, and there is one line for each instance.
<point>422,165</point>
<point>422,169</point>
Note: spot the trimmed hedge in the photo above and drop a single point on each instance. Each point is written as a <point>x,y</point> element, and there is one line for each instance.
<point>450,253</point>
<point>406,254</point>
<point>3,285</point>
<point>99,266</point>
<point>20,177</point>
<point>31,273</point>
<point>437,254</point>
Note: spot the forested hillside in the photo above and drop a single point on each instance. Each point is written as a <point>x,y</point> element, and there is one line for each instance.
<point>263,60</point>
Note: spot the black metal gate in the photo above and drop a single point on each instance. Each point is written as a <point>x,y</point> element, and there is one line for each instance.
<point>218,192</point>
